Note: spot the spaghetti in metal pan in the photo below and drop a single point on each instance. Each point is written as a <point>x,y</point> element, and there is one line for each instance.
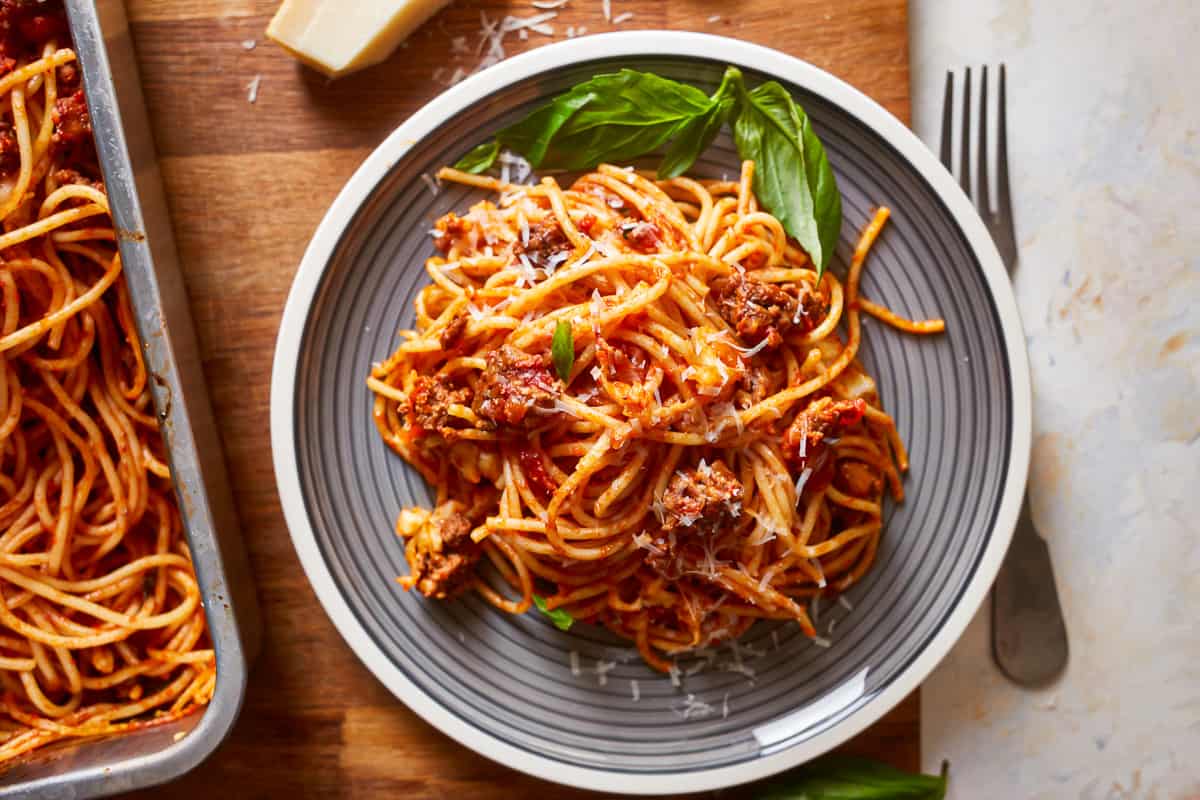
<point>102,630</point>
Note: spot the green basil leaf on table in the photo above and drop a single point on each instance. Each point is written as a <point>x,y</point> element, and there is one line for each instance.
<point>562,349</point>
<point>792,176</point>
<point>848,778</point>
<point>695,136</point>
<point>561,618</point>
<point>480,159</point>
<point>614,117</point>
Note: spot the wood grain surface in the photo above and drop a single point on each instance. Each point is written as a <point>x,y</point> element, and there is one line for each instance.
<point>247,184</point>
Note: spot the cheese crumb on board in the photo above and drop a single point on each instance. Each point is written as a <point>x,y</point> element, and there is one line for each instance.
<point>337,37</point>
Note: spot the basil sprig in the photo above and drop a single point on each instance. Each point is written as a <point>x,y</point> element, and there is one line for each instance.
<point>616,117</point>
<point>792,176</point>
<point>562,349</point>
<point>847,778</point>
<point>561,618</point>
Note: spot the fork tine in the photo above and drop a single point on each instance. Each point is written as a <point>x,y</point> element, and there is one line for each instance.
<point>948,121</point>
<point>964,176</point>
<point>1003,199</point>
<point>982,196</point>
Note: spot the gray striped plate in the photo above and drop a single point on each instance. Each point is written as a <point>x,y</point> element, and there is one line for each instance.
<point>505,685</point>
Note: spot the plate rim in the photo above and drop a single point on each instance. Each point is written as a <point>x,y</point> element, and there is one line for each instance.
<point>458,98</point>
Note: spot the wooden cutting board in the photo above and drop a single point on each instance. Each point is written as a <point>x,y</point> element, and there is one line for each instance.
<point>247,183</point>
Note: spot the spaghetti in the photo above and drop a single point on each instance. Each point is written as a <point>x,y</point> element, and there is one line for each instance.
<point>713,454</point>
<point>101,624</point>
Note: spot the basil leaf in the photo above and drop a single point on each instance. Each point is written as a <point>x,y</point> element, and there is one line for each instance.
<point>561,618</point>
<point>562,349</point>
<point>613,117</point>
<point>848,778</point>
<point>479,159</point>
<point>695,137</point>
<point>792,176</point>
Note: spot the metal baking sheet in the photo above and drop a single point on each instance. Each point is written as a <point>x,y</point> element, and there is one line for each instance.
<point>152,270</point>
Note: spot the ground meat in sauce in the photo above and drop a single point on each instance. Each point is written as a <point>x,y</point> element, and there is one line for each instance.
<point>443,558</point>
<point>25,26</point>
<point>619,365</point>
<point>72,123</point>
<point>755,309</point>
<point>858,479</point>
<point>813,308</point>
<point>63,177</point>
<point>757,382</point>
<point>701,498</point>
<point>430,400</point>
<point>642,236</point>
<point>10,149</point>
<point>452,335</point>
<point>512,383</point>
<point>545,240</point>
<point>451,230</point>
<point>805,440</point>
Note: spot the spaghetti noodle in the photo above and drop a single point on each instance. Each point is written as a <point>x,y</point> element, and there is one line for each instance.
<point>101,624</point>
<point>712,455</point>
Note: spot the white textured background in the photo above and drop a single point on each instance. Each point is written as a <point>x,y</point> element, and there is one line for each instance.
<point>1104,141</point>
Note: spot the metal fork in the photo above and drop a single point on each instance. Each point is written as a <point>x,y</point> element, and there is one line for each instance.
<point>1029,636</point>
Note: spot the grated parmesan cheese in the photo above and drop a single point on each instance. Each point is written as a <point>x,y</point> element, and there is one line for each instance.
<point>249,44</point>
<point>602,669</point>
<point>548,5</point>
<point>554,261</point>
<point>635,690</point>
<point>775,639</point>
<point>694,708</point>
<point>714,18</point>
<point>575,670</point>
<point>725,706</point>
<point>252,89</point>
<point>430,182</point>
<point>625,17</point>
<point>644,541</point>
<point>674,673</point>
<point>802,481</point>
<point>845,603</point>
<point>821,641</point>
<point>606,9</point>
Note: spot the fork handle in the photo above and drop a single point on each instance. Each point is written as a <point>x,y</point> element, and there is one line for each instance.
<point>1029,636</point>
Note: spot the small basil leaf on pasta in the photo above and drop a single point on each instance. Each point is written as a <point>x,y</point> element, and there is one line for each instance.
<point>792,176</point>
<point>562,349</point>
<point>561,618</point>
<point>479,159</point>
<point>695,137</point>
<point>613,117</point>
<point>846,778</point>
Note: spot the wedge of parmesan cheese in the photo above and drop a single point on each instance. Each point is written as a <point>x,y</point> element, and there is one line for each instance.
<point>341,36</point>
